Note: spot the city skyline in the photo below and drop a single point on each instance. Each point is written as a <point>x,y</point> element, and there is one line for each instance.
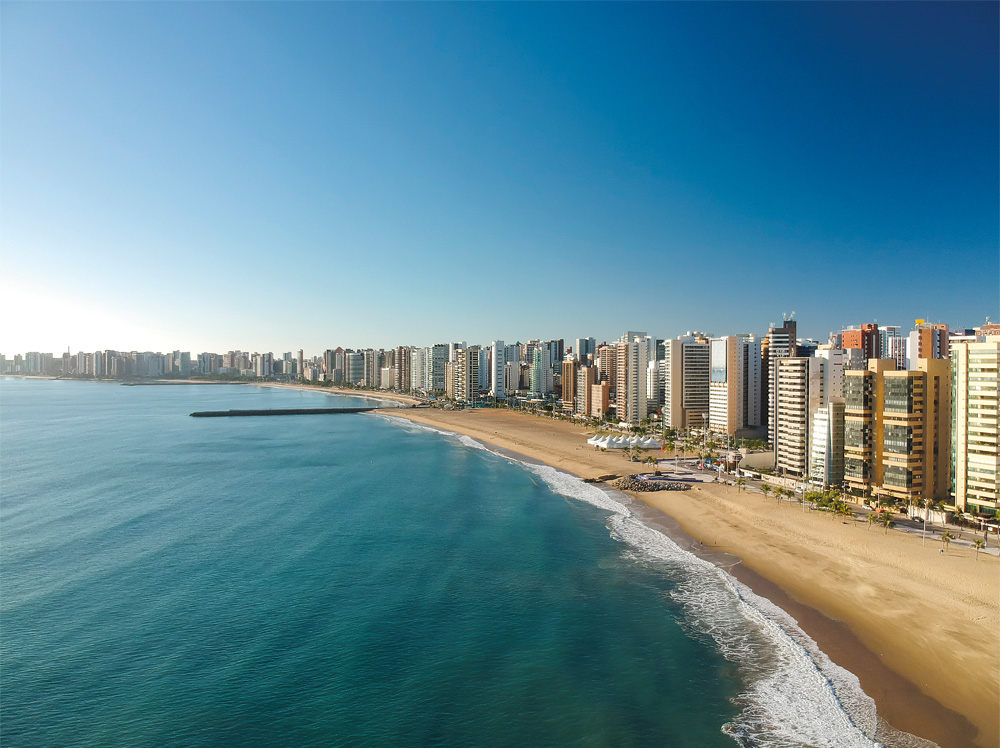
<point>218,176</point>
<point>569,342</point>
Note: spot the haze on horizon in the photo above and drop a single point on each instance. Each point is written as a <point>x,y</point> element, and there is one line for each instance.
<point>209,176</point>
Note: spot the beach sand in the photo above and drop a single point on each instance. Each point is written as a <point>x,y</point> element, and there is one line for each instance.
<point>369,394</point>
<point>921,630</point>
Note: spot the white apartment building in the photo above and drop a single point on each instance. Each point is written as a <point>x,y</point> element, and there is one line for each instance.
<point>419,369</point>
<point>975,445</point>
<point>892,344</point>
<point>631,371</point>
<point>541,373</point>
<point>826,444</point>
<point>498,363</point>
<point>804,386</point>
<point>654,383</point>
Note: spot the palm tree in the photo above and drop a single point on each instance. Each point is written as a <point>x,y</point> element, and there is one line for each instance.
<point>886,521</point>
<point>946,538</point>
<point>845,511</point>
<point>871,517</point>
<point>740,483</point>
<point>978,542</point>
<point>765,489</point>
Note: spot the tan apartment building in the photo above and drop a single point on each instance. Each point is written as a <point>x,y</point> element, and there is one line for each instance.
<point>975,448</point>
<point>586,378</point>
<point>897,430</point>
<point>567,380</point>
<point>600,399</point>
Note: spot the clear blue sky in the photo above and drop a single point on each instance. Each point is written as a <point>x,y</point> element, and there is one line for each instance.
<point>269,176</point>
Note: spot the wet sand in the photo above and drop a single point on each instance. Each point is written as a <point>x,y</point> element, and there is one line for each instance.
<point>920,629</point>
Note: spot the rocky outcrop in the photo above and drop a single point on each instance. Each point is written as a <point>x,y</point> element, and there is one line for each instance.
<point>637,484</point>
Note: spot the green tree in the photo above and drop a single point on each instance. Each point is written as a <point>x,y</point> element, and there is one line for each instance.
<point>978,543</point>
<point>740,483</point>
<point>946,538</point>
<point>765,489</point>
<point>872,518</point>
<point>885,519</point>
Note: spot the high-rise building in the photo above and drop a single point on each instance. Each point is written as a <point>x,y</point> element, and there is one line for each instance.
<point>654,383</point>
<point>780,342</point>
<point>586,378</point>
<point>263,364</point>
<point>630,384</point>
<point>600,399</point>
<point>557,351</point>
<point>466,373</point>
<point>684,376</point>
<point>607,361</point>
<point>512,376</point>
<point>418,369</point>
<point>695,368</point>
<point>438,359</point>
<point>927,340</point>
<point>809,415</point>
<point>401,374</point>
<point>734,385</point>
<point>798,391</point>
<point>585,347</point>
<point>892,344</point>
<point>826,444</point>
<point>897,430</point>
<point>569,370</point>
<point>498,363</point>
<point>372,364</point>
<point>354,366</point>
<point>865,338</point>
<point>975,447</point>
<point>541,373</point>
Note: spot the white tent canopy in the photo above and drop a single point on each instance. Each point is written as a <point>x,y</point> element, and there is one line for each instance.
<point>624,442</point>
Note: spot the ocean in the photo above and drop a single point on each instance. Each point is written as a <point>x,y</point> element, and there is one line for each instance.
<point>357,580</point>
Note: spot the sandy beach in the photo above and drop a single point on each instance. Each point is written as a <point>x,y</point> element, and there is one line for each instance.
<point>919,628</point>
<point>368,394</point>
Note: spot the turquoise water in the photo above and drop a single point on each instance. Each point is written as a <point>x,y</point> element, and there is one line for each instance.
<point>352,581</point>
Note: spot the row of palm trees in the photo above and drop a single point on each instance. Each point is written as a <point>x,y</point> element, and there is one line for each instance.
<point>829,500</point>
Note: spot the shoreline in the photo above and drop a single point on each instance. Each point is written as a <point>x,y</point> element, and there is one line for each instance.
<point>882,607</point>
<point>367,394</point>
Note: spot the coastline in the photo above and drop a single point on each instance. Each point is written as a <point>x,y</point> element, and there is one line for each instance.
<point>367,394</point>
<point>879,605</point>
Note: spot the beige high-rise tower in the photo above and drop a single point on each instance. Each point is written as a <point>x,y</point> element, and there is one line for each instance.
<point>897,430</point>
<point>975,446</point>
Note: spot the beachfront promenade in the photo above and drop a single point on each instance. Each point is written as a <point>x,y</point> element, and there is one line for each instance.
<point>962,537</point>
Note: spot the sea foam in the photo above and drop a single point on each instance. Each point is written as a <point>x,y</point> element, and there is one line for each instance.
<point>794,695</point>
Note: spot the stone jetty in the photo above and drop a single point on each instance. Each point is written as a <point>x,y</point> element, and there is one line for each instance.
<point>641,485</point>
<point>277,412</point>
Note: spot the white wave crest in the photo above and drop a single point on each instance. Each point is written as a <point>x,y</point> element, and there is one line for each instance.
<point>795,695</point>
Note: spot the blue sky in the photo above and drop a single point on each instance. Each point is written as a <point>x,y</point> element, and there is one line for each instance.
<point>269,176</point>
